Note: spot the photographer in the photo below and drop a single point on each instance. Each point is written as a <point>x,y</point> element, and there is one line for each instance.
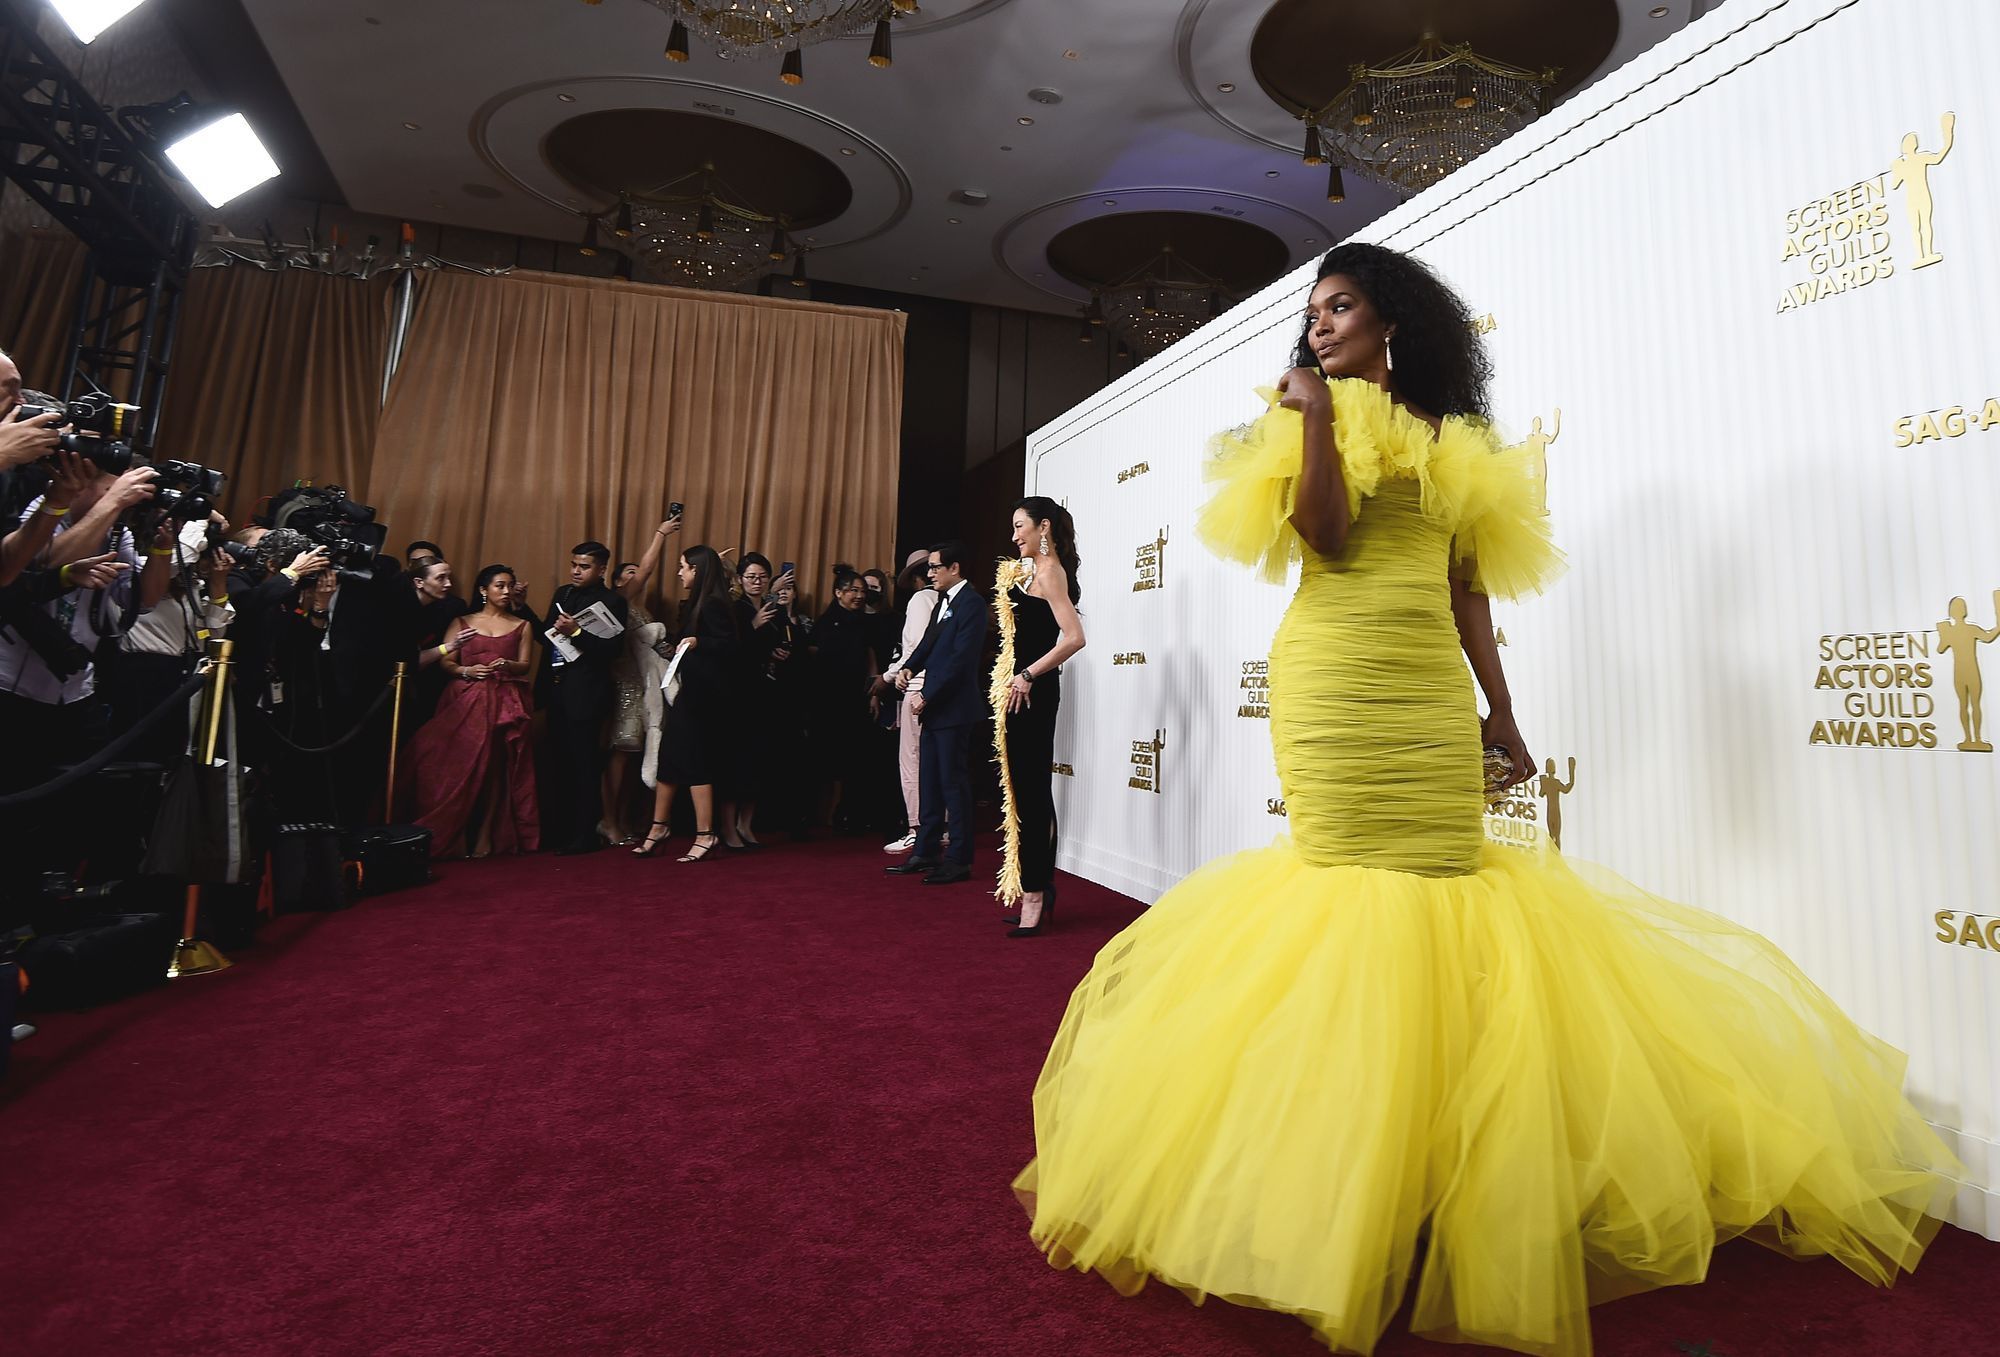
<point>164,643</point>
<point>48,675</point>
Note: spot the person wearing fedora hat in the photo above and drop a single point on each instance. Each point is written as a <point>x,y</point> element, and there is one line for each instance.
<point>920,603</point>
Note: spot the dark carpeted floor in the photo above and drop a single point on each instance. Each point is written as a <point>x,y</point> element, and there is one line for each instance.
<point>768,1104</point>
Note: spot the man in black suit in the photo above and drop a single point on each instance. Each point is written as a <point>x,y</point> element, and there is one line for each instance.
<point>951,707</point>
<point>579,695</point>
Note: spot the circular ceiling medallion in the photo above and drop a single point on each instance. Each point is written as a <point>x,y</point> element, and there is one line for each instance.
<point>1301,50</point>
<point>640,150</point>
<point>1101,252</point>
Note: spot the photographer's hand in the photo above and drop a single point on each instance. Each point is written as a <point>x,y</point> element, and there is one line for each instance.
<point>306,563</point>
<point>129,489</point>
<point>94,572</point>
<point>24,440</point>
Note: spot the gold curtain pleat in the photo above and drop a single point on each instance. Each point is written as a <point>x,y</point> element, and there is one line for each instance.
<point>534,411</point>
<point>40,271</point>
<point>277,377</point>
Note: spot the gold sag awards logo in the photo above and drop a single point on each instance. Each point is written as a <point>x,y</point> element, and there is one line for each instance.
<point>1276,806</point>
<point>1062,769</point>
<point>1484,325</point>
<point>1129,657</point>
<point>1884,684</point>
<point>1975,930</point>
<point>1137,470</point>
<point>1254,691</point>
<point>1516,819</point>
<point>1844,236</point>
<point>1147,763</point>
<point>1955,422</point>
<point>1152,564</point>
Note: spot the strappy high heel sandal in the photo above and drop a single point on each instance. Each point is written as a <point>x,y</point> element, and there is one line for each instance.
<point>651,846</point>
<point>700,851</point>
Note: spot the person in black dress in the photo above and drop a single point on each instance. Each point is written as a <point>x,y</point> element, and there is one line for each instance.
<point>1047,631</point>
<point>844,670</point>
<point>759,718</point>
<point>697,743</point>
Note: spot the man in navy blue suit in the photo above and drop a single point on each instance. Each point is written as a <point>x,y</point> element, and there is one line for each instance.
<point>951,707</point>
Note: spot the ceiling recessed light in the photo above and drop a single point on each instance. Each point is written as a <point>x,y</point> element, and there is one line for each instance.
<point>1025,121</point>
<point>1270,174</point>
<point>1111,202</point>
<point>1226,87</point>
<point>1310,240</point>
<point>951,221</point>
<point>812,240</point>
<point>567,98</point>
<point>1658,11</point>
<point>1072,55</point>
<point>847,150</point>
<point>1042,94</point>
<point>413,127</point>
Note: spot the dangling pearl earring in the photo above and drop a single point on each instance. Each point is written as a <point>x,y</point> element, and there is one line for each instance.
<point>1388,356</point>
<point>1045,544</point>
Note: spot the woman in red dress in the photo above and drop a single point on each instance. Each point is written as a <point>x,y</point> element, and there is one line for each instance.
<point>471,772</point>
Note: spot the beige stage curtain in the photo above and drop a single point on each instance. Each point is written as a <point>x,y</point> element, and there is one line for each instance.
<point>277,377</point>
<point>535,411</point>
<point>40,271</point>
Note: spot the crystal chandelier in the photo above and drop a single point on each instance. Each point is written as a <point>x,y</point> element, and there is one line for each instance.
<point>749,28</point>
<point>1166,299</point>
<point>693,231</point>
<point>1413,119</point>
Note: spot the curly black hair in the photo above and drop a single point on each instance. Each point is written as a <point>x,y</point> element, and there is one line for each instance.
<point>1440,364</point>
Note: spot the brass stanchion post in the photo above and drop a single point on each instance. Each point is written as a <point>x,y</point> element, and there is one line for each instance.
<point>395,738</point>
<point>192,956</point>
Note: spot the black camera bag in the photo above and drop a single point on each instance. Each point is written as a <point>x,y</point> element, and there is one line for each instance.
<point>97,959</point>
<point>390,857</point>
<point>308,870</point>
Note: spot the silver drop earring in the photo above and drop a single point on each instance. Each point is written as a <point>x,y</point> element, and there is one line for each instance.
<point>1388,356</point>
<point>1045,544</point>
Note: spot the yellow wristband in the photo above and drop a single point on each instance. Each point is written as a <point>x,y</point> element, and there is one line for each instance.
<point>62,577</point>
<point>52,511</point>
<point>443,651</point>
<point>159,551</point>
<point>219,600</point>
<point>289,574</point>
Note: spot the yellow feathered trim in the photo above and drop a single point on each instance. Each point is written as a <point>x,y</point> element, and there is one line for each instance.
<point>1487,495</point>
<point>1007,573</point>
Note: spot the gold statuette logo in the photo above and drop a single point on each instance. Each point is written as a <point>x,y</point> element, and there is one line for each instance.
<point>1129,657</point>
<point>1844,236</point>
<point>1254,691</point>
<point>1884,683</point>
<point>1552,790</point>
<point>1137,470</point>
<point>1147,763</point>
<point>1537,442</point>
<point>1152,564</point>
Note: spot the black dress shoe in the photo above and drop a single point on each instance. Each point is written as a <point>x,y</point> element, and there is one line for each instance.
<point>948,873</point>
<point>911,866</point>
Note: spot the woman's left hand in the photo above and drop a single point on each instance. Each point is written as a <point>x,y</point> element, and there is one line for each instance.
<point>1499,729</point>
<point>1019,689</point>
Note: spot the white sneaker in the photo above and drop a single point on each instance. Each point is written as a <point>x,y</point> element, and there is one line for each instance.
<point>903,845</point>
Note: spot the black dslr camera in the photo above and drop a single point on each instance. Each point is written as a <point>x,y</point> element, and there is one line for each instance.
<point>99,432</point>
<point>185,491</point>
<point>328,518</point>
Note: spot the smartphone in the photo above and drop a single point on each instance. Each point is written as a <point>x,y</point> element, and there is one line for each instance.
<point>674,510</point>
<point>787,568</point>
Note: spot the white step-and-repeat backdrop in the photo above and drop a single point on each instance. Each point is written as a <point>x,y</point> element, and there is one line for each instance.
<point>1746,290</point>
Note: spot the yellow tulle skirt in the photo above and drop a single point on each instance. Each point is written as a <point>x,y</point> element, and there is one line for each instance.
<point>1529,1088</point>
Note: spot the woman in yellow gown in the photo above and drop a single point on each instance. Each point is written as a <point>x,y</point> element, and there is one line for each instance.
<point>1383,1047</point>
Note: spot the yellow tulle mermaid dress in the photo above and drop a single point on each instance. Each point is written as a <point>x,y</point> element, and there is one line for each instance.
<point>1383,1050</point>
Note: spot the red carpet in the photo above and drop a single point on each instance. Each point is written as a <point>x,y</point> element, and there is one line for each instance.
<point>763,1105</point>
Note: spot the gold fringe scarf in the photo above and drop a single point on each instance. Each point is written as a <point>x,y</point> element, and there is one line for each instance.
<point>1007,575</point>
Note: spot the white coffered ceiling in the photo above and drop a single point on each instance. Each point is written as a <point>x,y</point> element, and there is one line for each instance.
<point>1144,121</point>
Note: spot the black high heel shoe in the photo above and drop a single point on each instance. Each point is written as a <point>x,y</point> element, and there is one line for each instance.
<point>1048,917</point>
<point>1048,903</point>
<point>651,847</point>
<point>700,851</point>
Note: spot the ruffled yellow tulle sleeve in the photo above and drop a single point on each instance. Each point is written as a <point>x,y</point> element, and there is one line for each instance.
<point>1255,472</point>
<point>1493,500</point>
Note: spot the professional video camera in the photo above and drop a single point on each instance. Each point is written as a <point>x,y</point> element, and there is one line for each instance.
<point>185,491</point>
<point>99,429</point>
<point>328,518</point>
